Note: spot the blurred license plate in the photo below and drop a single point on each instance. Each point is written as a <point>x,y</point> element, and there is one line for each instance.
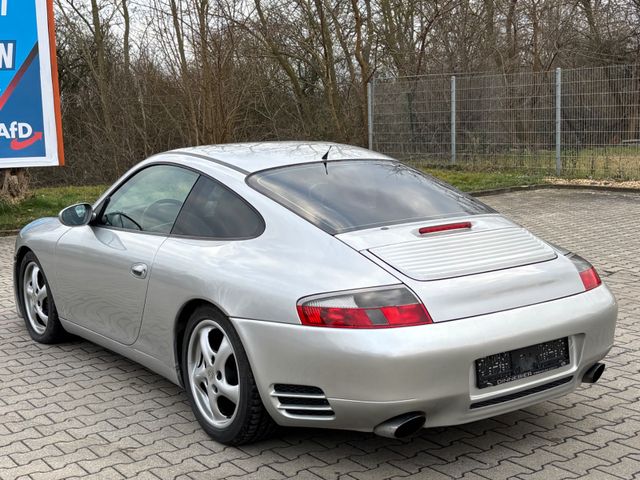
<point>509,366</point>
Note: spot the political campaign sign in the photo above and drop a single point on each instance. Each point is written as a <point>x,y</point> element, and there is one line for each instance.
<point>30,127</point>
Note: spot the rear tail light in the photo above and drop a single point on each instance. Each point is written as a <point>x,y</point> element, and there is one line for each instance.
<point>378,308</point>
<point>588,275</point>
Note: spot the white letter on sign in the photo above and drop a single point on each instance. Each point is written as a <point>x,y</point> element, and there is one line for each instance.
<point>3,8</point>
<point>24,130</point>
<point>7,55</point>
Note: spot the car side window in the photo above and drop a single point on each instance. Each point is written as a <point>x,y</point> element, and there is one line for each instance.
<point>150,200</point>
<point>214,211</point>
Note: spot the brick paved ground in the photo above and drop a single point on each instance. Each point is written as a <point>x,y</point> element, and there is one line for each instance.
<point>78,410</point>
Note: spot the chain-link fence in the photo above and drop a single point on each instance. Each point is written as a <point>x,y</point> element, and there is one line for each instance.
<point>576,122</point>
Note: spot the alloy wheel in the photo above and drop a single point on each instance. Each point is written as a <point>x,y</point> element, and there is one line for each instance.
<point>213,373</point>
<point>36,297</point>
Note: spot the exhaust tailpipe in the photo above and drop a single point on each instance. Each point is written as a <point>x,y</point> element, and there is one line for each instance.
<point>594,373</point>
<point>401,426</point>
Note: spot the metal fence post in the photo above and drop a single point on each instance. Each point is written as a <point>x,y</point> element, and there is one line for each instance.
<point>453,119</point>
<point>558,120</point>
<point>370,112</point>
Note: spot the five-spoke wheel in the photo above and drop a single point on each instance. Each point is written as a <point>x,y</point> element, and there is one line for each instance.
<point>219,381</point>
<point>213,373</point>
<point>36,302</point>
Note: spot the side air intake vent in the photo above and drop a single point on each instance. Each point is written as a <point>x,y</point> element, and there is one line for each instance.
<point>301,400</point>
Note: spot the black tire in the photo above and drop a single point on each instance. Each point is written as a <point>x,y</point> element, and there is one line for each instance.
<point>251,422</point>
<point>52,332</point>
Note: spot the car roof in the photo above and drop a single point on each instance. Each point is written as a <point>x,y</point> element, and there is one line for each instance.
<point>252,157</point>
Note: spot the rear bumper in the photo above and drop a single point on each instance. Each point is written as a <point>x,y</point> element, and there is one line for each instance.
<point>369,376</point>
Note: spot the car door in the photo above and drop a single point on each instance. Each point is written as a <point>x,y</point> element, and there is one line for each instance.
<point>203,258</point>
<point>103,268</point>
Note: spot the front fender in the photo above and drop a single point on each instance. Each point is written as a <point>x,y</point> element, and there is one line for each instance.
<point>40,237</point>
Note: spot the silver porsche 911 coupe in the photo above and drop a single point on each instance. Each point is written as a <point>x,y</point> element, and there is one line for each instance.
<point>318,285</point>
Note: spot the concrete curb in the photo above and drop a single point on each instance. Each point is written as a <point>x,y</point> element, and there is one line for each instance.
<point>546,186</point>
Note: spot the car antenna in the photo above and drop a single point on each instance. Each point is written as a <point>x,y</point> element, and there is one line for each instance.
<point>324,160</point>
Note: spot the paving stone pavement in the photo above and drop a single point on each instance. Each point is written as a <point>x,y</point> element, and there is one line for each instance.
<point>78,410</point>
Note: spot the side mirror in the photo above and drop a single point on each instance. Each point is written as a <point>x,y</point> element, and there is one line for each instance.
<point>76,215</point>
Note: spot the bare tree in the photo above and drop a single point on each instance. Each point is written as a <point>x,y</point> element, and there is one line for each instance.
<point>144,76</point>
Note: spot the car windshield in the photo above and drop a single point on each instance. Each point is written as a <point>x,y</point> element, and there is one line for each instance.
<point>347,195</point>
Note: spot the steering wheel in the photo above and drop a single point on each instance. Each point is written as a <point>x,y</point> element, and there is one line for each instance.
<point>122,215</point>
<point>156,204</point>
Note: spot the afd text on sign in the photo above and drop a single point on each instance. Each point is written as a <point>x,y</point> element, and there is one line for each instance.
<point>30,126</point>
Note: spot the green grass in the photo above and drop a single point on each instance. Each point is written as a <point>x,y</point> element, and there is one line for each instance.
<point>613,162</point>
<point>47,202</point>
<point>477,181</point>
<point>44,202</point>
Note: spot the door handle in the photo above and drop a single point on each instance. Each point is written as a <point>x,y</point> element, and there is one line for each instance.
<point>139,270</point>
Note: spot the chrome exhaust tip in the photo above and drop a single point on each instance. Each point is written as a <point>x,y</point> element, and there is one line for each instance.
<point>401,426</point>
<point>594,373</point>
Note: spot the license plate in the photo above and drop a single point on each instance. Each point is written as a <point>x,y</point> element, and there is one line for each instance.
<point>509,366</point>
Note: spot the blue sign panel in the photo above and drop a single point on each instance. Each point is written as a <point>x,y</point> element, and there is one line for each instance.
<point>30,129</point>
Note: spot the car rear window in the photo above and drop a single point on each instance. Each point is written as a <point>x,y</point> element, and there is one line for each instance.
<point>346,195</point>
